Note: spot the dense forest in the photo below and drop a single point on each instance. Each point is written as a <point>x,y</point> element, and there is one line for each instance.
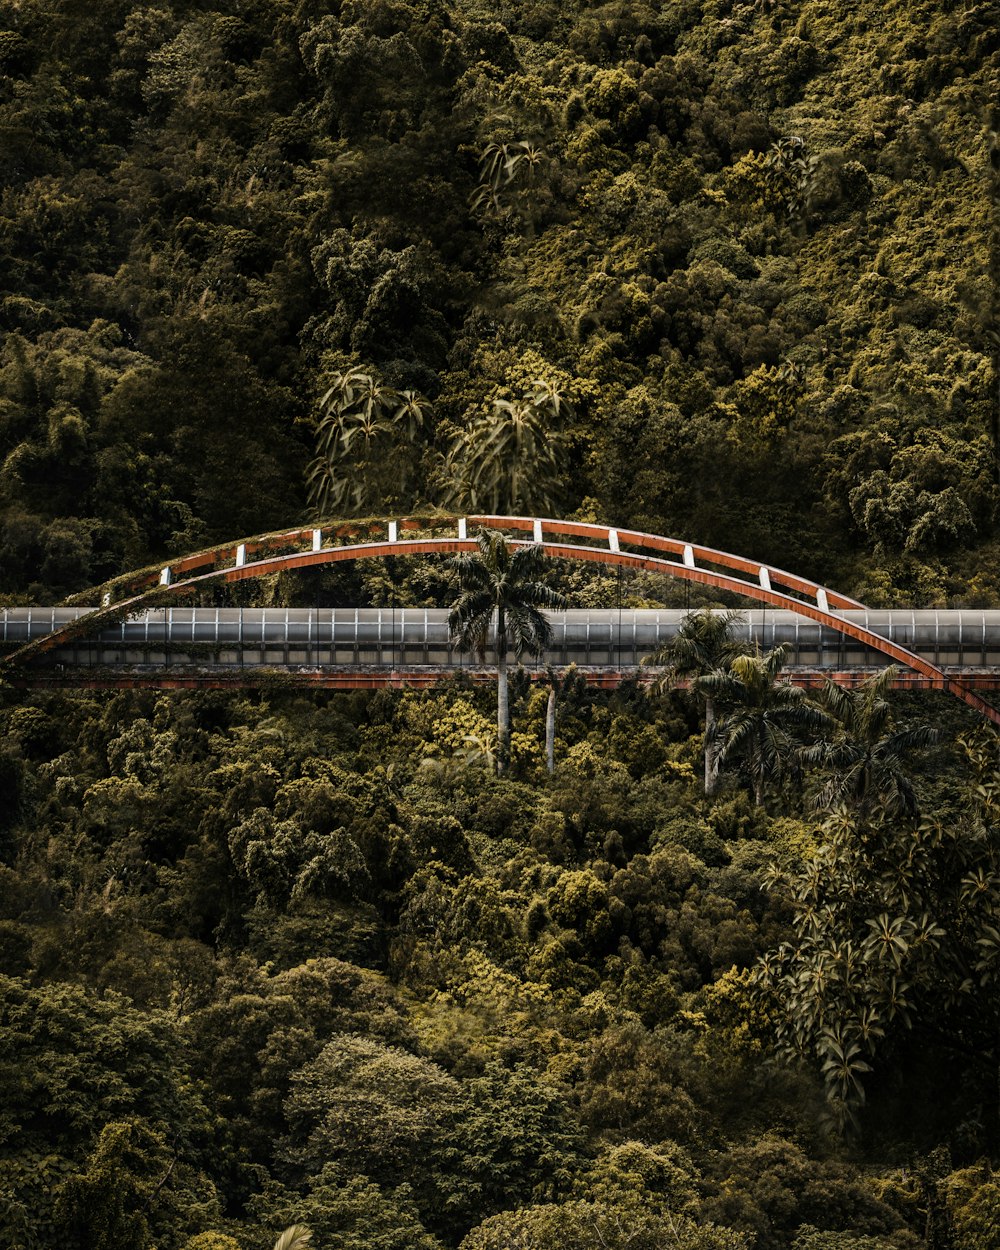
<point>719,270</point>
<point>752,248</point>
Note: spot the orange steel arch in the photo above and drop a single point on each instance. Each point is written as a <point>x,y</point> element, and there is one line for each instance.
<point>610,537</point>
<point>618,547</point>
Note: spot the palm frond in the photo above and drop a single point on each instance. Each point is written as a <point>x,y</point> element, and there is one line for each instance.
<point>295,1238</point>
<point>528,630</point>
<point>916,738</point>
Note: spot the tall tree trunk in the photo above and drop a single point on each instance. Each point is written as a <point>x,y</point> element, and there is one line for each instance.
<point>550,730</point>
<point>503,701</point>
<point>758,785</point>
<point>711,750</point>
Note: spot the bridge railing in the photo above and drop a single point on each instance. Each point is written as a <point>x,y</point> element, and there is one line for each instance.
<point>393,636</point>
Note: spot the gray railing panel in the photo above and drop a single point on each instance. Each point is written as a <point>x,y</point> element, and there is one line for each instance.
<point>417,636</point>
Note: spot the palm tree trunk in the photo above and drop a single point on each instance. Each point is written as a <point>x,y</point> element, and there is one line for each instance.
<point>711,750</point>
<point>550,730</point>
<point>503,701</point>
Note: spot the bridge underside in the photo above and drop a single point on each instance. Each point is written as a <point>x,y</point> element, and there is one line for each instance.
<point>355,677</point>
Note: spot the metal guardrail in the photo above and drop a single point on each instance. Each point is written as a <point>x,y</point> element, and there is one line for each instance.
<point>415,637</point>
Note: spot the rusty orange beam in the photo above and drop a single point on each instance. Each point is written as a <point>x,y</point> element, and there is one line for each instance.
<point>371,678</point>
<point>605,534</point>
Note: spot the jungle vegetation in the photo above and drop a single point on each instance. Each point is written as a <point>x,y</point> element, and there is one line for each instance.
<point>277,961</point>
<point>722,270</point>
<point>282,958</point>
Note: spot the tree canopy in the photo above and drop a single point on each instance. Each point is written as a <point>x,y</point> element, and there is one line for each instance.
<point>274,961</point>
<point>697,271</point>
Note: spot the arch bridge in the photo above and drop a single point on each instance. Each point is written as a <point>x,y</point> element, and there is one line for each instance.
<point>105,609</point>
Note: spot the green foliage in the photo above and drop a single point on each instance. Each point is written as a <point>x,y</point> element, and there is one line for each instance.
<point>399,1119</point>
<point>211,1241</point>
<point>350,1212</point>
<point>557,1027</point>
<point>512,459</point>
<point>364,440</point>
<point>865,756</point>
<point>582,1225</point>
<point>72,1060</point>
<point>760,718</point>
<point>893,932</point>
<point>104,1206</point>
<point>973,1199</point>
<point>501,167</point>
<point>722,271</point>
<point>703,645</point>
<point>773,1191</point>
<point>716,233</point>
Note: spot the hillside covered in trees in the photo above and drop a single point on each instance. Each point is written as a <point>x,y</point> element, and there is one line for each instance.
<point>752,247</point>
<point>308,959</point>
<point>723,271</point>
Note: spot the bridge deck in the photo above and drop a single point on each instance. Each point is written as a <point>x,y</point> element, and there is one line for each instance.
<point>343,647</point>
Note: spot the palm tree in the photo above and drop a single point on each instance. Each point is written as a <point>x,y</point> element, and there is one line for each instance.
<point>365,439</point>
<point>298,1237</point>
<point>510,459</point>
<point>760,717</point>
<point>501,591</point>
<point>865,753</point>
<point>499,167</point>
<point>703,644</point>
